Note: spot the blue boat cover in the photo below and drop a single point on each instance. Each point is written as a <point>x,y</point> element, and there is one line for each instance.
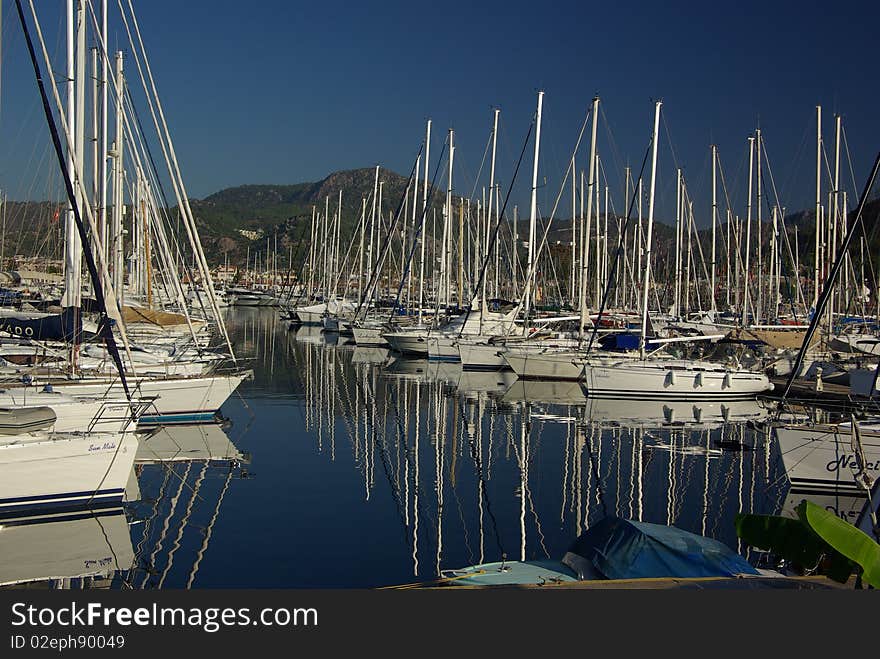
<point>625,549</point>
<point>66,326</point>
<point>623,341</point>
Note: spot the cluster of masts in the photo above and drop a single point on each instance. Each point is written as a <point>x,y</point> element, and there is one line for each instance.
<point>748,268</point>
<point>112,179</point>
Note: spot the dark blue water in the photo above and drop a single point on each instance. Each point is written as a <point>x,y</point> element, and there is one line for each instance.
<point>367,471</point>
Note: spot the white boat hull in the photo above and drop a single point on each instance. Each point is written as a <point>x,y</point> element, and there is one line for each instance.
<point>73,414</point>
<point>481,356</point>
<point>408,343</point>
<point>821,458</point>
<point>247,301</point>
<point>181,400</point>
<point>370,336</point>
<point>443,349</point>
<point>865,344</point>
<point>309,317</point>
<point>64,471</point>
<point>532,365</point>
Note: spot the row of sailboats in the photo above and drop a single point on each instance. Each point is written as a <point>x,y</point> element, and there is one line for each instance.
<point>749,285</point>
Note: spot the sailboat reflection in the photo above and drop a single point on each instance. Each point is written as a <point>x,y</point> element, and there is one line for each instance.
<point>184,474</point>
<point>370,355</point>
<point>642,413</point>
<point>83,549</point>
<point>199,442</point>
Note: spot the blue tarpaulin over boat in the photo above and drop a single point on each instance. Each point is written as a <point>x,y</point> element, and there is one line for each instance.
<point>624,341</point>
<point>65,326</point>
<point>618,548</point>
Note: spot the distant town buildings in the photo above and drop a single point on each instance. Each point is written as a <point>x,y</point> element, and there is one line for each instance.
<point>251,234</point>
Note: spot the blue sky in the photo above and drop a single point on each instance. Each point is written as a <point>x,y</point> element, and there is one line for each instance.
<point>283,92</point>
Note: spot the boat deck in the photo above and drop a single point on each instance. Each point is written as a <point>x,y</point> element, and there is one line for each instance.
<point>804,391</point>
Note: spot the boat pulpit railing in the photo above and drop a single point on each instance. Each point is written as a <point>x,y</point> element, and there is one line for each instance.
<point>122,414</point>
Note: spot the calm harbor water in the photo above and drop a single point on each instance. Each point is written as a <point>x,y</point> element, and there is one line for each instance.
<point>367,470</point>
<point>355,469</point>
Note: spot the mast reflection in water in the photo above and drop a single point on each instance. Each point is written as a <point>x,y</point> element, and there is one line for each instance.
<point>374,470</point>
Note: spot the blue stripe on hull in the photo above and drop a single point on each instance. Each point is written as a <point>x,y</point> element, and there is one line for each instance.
<point>435,358</point>
<point>16,506</point>
<point>76,513</point>
<point>177,417</point>
<point>671,396</point>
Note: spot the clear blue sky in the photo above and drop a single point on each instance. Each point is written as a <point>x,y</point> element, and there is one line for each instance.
<point>283,92</point>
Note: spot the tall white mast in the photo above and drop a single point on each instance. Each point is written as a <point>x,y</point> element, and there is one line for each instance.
<point>745,300</point>
<point>72,246</point>
<point>714,219</point>
<point>759,303</point>
<point>533,214</point>
<point>773,302</point>
<point>647,246</point>
<point>676,299</point>
<point>599,241</point>
<point>572,289</point>
<point>491,193</point>
<point>378,241</point>
<point>370,254</point>
<point>336,264</point>
<point>585,232</point>
<point>326,249</point>
<point>834,219</point>
<point>727,259</point>
<point>312,255</point>
<point>102,206</point>
<point>447,225</point>
<point>118,197</point>
<point>97,241</point>
<point>638,253</point>
<point>424,220</point>
<point>415,188</point>
<point>626,261</point>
